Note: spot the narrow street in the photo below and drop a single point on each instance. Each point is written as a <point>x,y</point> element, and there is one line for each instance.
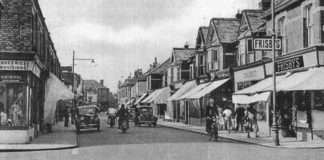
<point>160,143</point>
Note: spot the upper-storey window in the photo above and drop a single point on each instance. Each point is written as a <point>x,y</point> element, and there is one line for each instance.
<point>321,2</point>
<point>308,26</point>
<point>281,33</point>
<point>322,26</point>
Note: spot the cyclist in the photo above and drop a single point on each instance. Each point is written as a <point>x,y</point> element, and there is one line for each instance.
<point>211,116</point>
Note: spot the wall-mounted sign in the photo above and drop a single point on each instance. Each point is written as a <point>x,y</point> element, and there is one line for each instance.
<point>13,65</point>
<point>266,44</point>
<point>288,64</point>
<point>250,74</point>
<point>12,78</point>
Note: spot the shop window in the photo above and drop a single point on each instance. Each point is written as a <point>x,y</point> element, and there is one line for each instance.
<point>319,100</point>
<point>261,109</point>
<point>13,105</point>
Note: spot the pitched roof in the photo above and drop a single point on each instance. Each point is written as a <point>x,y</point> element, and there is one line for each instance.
<point>162,68</point>
<point>251,22</point>
<point>226,28</point>
<point>254,19</point>
<point>204,31</point>
<point>182,54</point>
<point>92,85</point>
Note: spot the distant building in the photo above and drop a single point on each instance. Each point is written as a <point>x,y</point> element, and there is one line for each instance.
<point>97,93</point>
<point>67,78</point>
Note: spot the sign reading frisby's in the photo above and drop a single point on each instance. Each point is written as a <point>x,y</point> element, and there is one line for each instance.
<point>266,44</point>
<point>288,64</point>
<point>13,65</point>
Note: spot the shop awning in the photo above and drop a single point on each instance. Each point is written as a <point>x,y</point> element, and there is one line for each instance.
<point>261,86</point>
<point>185,88</point>
<point>246,99</point>
<point>148,98</point>
<point>54,91</point>
<point>311,79</point>
<point>141,98</point>
<point>193,91</point>
<point>212,86</point>
<point>162,96</point>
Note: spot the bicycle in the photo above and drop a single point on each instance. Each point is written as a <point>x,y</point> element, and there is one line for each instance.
<point>213,131</point>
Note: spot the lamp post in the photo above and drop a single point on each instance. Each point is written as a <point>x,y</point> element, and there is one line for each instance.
<point>79,59</point>
<point>275,123</point>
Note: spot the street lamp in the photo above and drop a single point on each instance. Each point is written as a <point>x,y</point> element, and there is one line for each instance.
<point>275,123</point>
<point>79,59</point>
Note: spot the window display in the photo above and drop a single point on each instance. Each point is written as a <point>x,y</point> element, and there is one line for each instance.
<point>12,105</point>
<point>319,100</point>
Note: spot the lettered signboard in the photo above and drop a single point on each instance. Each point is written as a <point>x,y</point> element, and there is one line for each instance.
<point>266,44</point>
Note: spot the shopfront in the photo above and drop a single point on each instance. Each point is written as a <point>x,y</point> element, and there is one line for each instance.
<point>300,91</point>
<point>19,101</point>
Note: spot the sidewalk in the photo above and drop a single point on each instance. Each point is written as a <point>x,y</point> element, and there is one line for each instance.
<point>265,141</point>
<point>60,138</point>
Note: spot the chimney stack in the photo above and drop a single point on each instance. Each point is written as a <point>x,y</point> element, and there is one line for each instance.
<point>102,82</point>
<point>238,15</point>
<point>186,46</point>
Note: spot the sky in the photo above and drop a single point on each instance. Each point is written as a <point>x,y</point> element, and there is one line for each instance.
<point>125,35</point>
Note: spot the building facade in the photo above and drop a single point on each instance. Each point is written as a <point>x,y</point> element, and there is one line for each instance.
<point>28,56</point>
<point>299,26</point>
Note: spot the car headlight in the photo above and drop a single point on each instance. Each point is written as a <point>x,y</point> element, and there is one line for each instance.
<point>82,118</point>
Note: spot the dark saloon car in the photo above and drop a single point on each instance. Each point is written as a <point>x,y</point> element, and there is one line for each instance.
<point>145,116</point>
<point>87,117</point>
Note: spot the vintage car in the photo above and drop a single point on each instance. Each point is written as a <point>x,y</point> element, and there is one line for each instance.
<point>87,117</point>
<point>144,115</point>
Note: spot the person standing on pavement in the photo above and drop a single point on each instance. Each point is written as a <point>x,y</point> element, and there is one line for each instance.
<point>227,114</point>
<point>220,117</point>
<point>66,117</point>
<point>239,115</point>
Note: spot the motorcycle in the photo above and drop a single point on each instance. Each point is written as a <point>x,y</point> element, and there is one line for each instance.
<point>111,120</point>
<point>123,126</point>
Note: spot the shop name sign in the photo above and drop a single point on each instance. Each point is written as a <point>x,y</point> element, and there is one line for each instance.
<point>13,65</point>
<point>11,78</point>
<point>266,44</point>
<point>292,63</point>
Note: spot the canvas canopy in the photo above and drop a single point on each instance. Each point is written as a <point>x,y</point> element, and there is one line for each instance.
<point>54,91</point>
<point>212,86</point>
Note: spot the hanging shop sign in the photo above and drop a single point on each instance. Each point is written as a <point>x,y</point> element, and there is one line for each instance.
<point>265,44</point>
<point>13,65</point>
<point>288,64</point>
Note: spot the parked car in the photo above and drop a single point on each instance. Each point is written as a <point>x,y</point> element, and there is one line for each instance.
<point>145,116</point>
<point>87,117</point>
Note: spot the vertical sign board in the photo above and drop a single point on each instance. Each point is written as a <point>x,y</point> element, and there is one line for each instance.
<point>265,44</point>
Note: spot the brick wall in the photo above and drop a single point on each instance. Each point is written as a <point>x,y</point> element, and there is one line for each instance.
<point>16,32</point>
